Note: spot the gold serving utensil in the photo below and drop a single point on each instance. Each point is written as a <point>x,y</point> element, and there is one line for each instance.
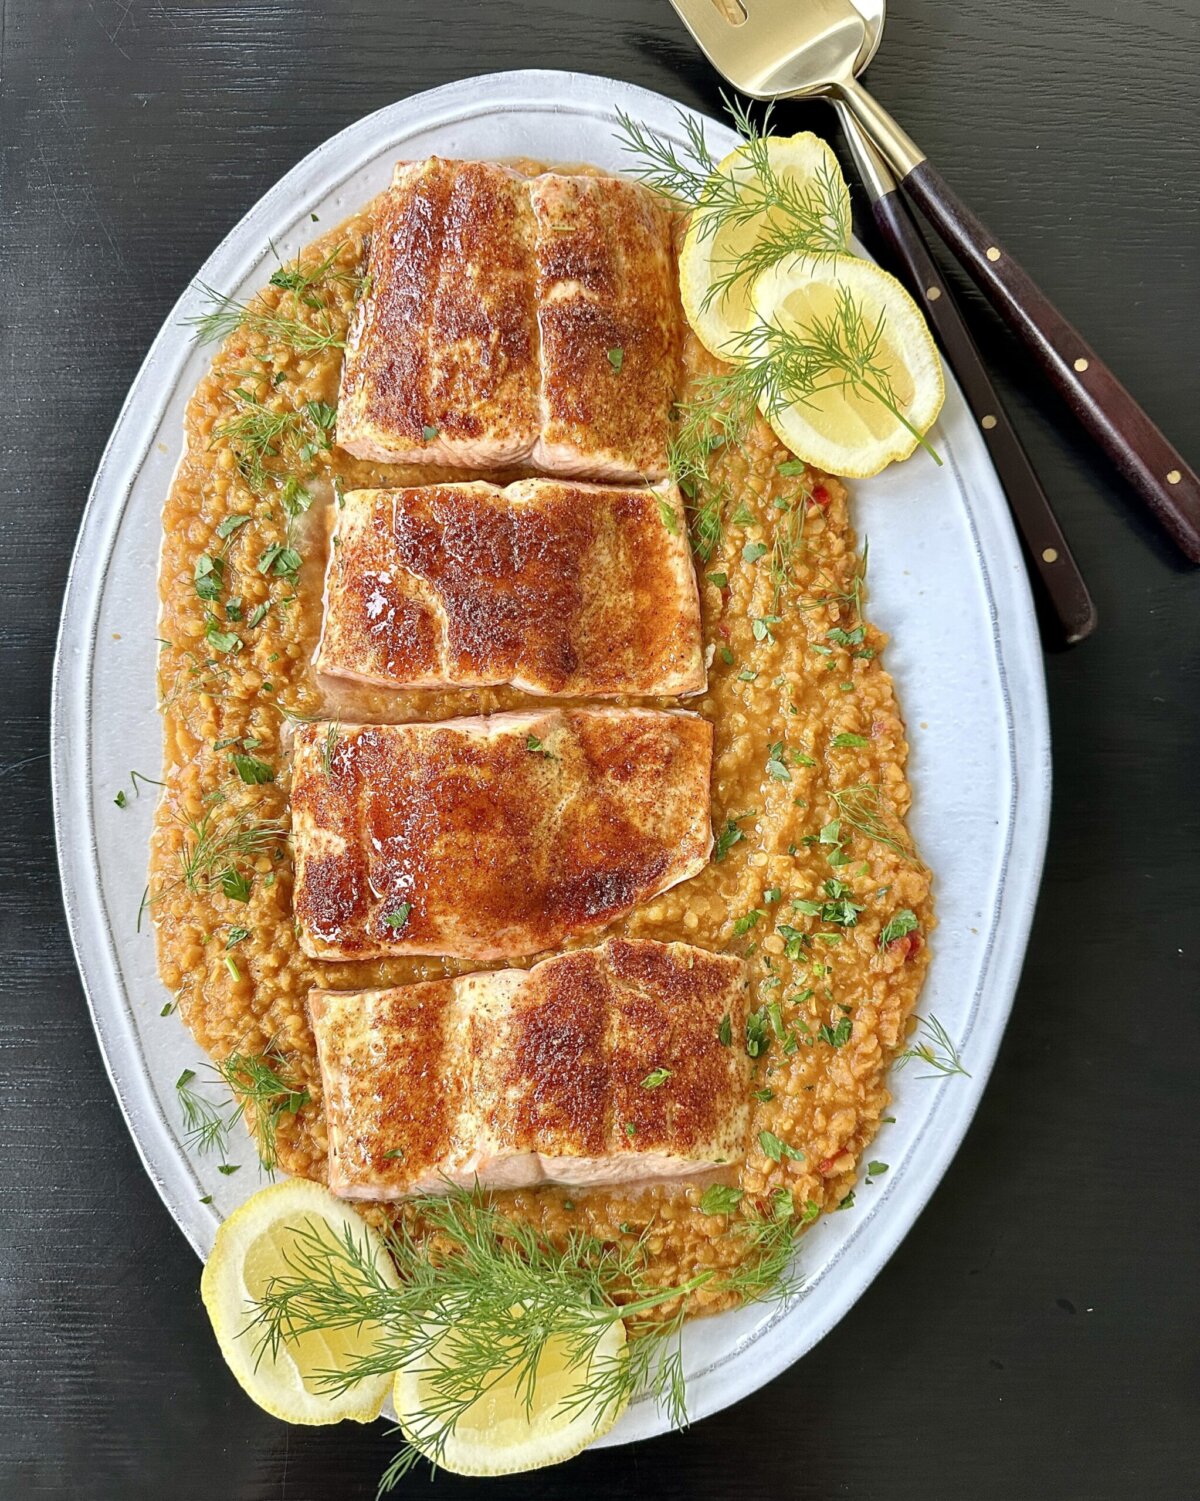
<point>772,49</point>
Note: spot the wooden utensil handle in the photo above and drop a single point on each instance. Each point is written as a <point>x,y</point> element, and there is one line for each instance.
<point>1046,548</point>
<point>1156,471</point>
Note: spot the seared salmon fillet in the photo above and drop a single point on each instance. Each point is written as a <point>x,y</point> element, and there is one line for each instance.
<point>442,359</point>
<point>610,324</point>
<point>510,320</point>
<point>604,1065</point>
<point>556,587</point>
<point>492,837</point>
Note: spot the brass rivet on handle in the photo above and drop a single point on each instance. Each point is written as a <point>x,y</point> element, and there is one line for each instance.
<point>1174,477</point>
<point>1081,365</point>
<point>933,293</point>
<point>992,253</point>
<point>988,422</point>
<point>1049,555</point>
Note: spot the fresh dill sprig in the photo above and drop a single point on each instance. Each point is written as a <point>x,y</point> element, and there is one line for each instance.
<point>719,414</point>
<point>862,808</point>
<point>795,217</point>
<point>300,279</point>
<point>789,538</point>
<point>939,1054</point>
<point>332,732</point>
<point>263,1096</point>
<point>480,1298</point>
<point>224,314</point>
<point>837,350</point>
<point>851,598</point>
<point>766,1271</point>
<point>213,847</point>
<point>204,1125</point>
<point>258,432</point>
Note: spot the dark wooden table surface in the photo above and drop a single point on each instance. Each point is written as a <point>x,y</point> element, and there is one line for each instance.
<point>1035,1335</point>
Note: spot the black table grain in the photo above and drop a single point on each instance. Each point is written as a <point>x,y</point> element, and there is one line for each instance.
<point>1035,1335</point>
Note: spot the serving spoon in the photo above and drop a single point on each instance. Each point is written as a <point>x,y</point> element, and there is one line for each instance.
<point>771,49</point>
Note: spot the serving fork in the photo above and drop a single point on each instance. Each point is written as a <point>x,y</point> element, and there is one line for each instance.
<point>771,49</point>
<point>1047,551</point>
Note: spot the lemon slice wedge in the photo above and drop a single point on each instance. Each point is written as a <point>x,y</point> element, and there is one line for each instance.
<point>809,196</point>
<point>499,1434</point>
<point>253,1246</point>
<point>853,428</point>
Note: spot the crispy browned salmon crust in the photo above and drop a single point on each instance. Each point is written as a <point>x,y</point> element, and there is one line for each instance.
<point>608,313</point>
<point>604,1065</point>
<point>515,320</point>
<point>554,586</point>
<point>493,837</point>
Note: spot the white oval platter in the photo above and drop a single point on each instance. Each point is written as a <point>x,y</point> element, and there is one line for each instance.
<point>946,580</point>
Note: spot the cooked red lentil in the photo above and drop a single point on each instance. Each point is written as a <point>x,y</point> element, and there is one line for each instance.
<point>809,790</point>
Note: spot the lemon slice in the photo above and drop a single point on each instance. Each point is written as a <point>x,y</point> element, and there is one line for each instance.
<point>251,1247</point>
<point>810,179</point>
<point>498,1434</point>
<point>842,427</point>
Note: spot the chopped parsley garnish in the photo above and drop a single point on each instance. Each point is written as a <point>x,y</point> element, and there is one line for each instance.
<point>398,919</point>
<point>669,516</point>
<point>838,1035</point>
<point>874,1169</point>
<point>395,1155</point>
<point>839,909</point>
<point>721,580</point>
<point>809,1212</point>
<point>758,1037</point>
<point>898,926</point>
<point>846,741</point>
<point>227,1168</point>
<point>719,1198</point>
<point>252,771</point>
<point>533,744</point>
<point>283,562</point>
<point>294,497</point>
<point>726,656</point>
<point>766,1095</point>
<point>219,640</point>
<point>729,835</point>
<point>772,894</point>
<point>208,576</point>
<point>429,433</point>
<point>656,1077</point>
<point>725,1031</point>
<point>776,766</point>
<point>324,419</point>
<point>630,1129</point>
<point>749,920</point>
<point>235,885</point>
<point>848,1201</point>
<point>236,935</point>
<point>121,800</point>
<point>230,524</point>
<point>753,551</point>
<point>616,358</point>
<point>794,940</point>
<point>777,1150</point>
<point>761,626</point>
